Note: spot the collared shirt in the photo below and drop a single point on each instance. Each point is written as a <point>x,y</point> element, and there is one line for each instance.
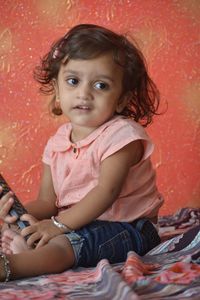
<point>75,169</point>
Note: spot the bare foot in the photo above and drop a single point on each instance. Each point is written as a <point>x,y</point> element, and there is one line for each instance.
<point>13,242</point>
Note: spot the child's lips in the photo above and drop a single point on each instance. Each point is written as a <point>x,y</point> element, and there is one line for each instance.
<point>82,107</point>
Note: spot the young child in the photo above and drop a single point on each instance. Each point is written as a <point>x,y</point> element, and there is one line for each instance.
<point>98,196</point>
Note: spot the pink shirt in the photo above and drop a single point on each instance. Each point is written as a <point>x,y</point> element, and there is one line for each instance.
<point>75,169</point>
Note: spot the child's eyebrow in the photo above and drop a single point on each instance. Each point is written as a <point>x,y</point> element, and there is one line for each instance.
<point>69,71</point>
<point>102,76</point>
<point>77,73</point>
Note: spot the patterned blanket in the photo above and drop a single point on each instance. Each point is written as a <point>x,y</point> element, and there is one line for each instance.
<point>169,271</point>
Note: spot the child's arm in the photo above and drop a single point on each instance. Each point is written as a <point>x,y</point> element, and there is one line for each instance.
<point>113,173</point>
<point>44,206</point>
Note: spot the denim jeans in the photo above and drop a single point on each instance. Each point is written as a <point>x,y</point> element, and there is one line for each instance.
<point>112,241</point>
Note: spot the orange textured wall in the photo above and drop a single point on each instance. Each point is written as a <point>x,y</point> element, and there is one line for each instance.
<point>168,33</point>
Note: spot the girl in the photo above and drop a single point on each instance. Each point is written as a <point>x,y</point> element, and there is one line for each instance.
<point>98,196</point>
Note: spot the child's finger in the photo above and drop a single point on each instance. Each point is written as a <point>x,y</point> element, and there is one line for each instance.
<point>5,206</point>
<point>28,218</point>
<point>10,219</point>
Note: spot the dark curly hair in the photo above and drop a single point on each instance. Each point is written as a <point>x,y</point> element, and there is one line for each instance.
<point>87,41</point>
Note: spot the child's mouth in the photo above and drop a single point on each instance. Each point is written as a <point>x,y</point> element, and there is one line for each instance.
<point>82,107</point>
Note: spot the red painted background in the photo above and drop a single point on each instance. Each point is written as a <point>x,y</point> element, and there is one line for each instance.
<point>167,32</point>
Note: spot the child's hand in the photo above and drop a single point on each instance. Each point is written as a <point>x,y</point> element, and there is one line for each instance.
<point>6,203</point>
<point>40,232</point>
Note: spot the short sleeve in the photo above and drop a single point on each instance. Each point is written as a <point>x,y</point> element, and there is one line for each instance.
<point>120,134</point>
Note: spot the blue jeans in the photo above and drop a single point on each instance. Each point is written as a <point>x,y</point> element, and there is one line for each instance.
<point>112,241</point>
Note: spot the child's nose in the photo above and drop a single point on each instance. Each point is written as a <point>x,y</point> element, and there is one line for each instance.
<point>84,92</point>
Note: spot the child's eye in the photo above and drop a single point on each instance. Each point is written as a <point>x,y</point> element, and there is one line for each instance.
<point>101,85</point>
<point>72,81</point>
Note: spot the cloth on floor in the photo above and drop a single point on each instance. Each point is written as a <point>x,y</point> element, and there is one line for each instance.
<point>170,271</point>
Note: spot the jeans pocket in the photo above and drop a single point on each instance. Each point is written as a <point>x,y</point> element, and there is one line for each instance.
<point>116,248</point>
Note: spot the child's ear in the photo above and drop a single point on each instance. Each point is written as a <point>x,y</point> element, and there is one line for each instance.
<point>123,101</point>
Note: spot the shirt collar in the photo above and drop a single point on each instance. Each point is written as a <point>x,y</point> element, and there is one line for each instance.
<point>61,140</point>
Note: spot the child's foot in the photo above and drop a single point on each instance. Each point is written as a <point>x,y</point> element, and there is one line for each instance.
<point>13,242</point>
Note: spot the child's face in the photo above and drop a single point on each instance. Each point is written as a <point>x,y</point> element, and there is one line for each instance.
<point>90,90</point>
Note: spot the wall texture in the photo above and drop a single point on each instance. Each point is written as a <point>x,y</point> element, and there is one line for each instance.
<point>167,32</point>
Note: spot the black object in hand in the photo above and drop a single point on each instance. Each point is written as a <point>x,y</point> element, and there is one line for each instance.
<point>17,208</point>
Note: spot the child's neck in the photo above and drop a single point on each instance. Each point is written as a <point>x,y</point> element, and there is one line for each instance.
<point>79,133</point>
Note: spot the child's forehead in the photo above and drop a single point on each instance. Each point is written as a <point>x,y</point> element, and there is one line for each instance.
<point>102,63</point>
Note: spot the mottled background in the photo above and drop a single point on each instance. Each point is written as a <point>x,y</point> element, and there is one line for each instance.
<point>167,32</point>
